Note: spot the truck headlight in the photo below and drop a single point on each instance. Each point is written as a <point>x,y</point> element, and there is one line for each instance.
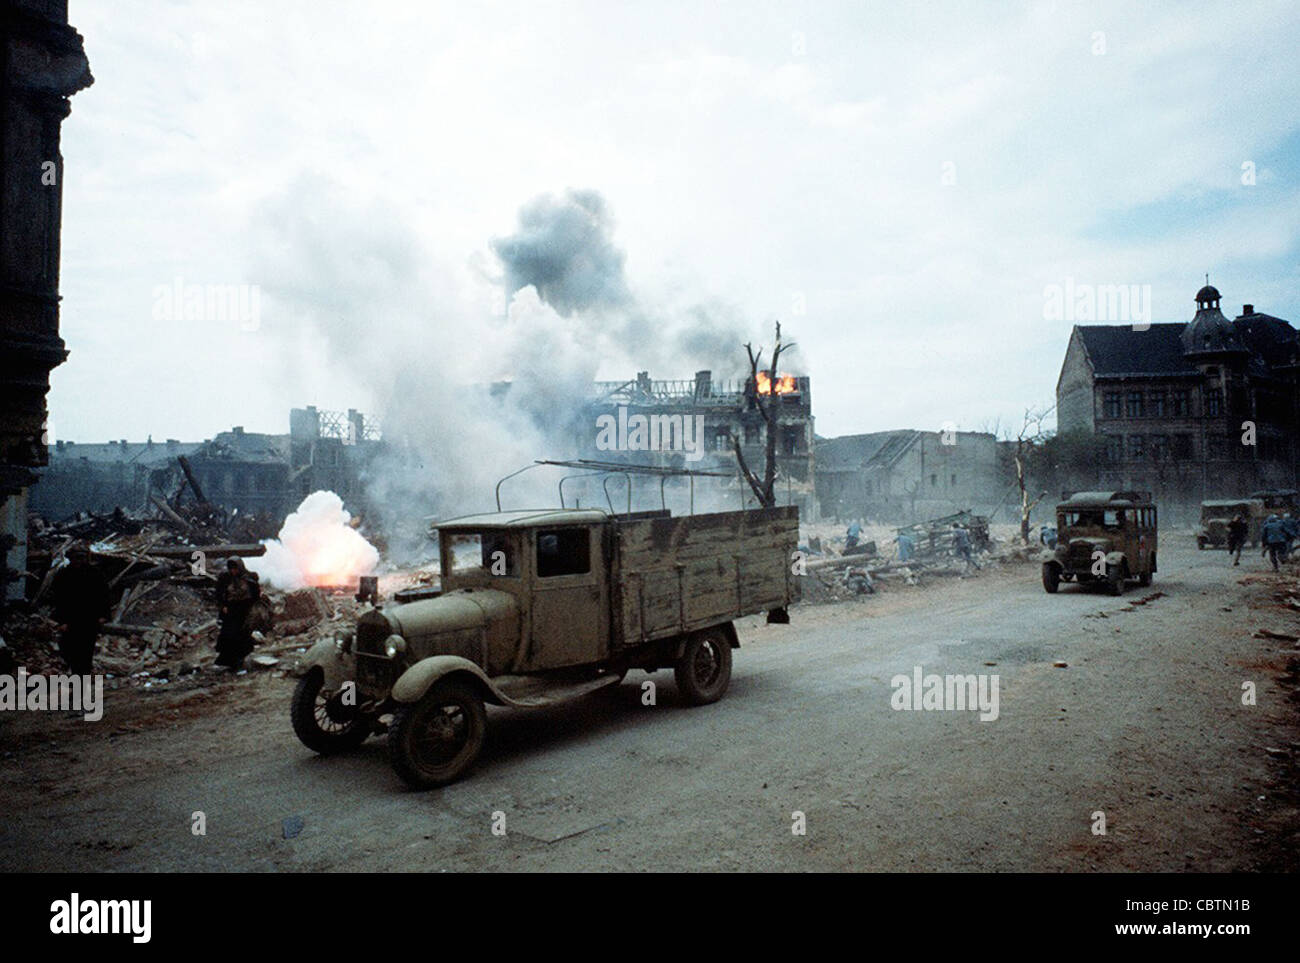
<point>394,646</point>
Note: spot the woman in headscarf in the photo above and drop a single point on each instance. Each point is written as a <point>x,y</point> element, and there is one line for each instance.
<point>237,590</point>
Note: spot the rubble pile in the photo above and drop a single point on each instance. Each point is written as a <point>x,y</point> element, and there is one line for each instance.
<point>834,575</point>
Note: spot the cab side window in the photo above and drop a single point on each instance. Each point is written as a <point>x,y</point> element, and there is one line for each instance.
<point>563,551</point>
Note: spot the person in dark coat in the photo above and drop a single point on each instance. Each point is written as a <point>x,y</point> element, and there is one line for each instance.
<point>237,590</point>
<point>1236,538</point>
<point>82,601</point>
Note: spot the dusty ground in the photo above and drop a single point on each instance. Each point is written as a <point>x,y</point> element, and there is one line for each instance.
<point>1146,724</point>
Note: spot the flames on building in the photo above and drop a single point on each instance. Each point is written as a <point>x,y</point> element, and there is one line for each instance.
<point>785,384</point>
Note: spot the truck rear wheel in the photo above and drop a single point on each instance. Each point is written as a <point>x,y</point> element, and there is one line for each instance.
<point>434,741</point>
<point>1051,577</point>
<point>704,670</point>
<point>321,720</point>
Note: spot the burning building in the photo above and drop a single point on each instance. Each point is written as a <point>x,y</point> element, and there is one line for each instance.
<point>691,424</point>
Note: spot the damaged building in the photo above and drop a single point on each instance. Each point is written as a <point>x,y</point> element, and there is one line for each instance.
<point>42,64</point>
<point>1189,411</point>
<point>706,414</point>
<point>906,475</point>
<point>248,472</point>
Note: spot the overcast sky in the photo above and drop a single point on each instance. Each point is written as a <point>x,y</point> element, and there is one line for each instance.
<point>897,183</point>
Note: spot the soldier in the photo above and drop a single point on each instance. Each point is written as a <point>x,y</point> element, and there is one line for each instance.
<point>237,590</point>
<point>1291,529</point>
<point>851,536</point>
<point>961,546</point>
<point>1273,535</point>
<point>1236,538</point>
<point>81,605</point>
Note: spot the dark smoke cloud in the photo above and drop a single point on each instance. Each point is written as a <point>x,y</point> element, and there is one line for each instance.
<point>563,248</point>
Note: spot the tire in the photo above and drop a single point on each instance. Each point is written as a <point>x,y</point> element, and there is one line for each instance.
<point>704,670</point>
<point>1115,580</point>
<point>322,723</point>
<point>1144,579</point>
<point>435,741</point>
<point>1051,578</point>
<point>1200,544</point>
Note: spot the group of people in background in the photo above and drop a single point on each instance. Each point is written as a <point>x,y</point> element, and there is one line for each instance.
<point>1276,536</point>
<point>82,603</point>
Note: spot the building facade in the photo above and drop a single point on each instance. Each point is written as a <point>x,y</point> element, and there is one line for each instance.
<point>252,472</point>
<point>908,475</point>
<point>717,412</point>
<point>42,63</point>
<point>1194,411</point>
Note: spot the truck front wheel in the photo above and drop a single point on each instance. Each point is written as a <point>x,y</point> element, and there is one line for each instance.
<point>434,741</point>
<point>1051,577</point>
<point>322,720</point>
<point>704,670</point>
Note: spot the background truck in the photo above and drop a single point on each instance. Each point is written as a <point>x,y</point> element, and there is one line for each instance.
<point>538,607</point>
<point>1216,515</point>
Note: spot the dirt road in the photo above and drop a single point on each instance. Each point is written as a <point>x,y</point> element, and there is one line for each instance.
<point>1145,724</point>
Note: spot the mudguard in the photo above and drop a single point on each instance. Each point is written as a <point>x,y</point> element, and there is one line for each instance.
<point>416,681</point>
<point>338,666</point>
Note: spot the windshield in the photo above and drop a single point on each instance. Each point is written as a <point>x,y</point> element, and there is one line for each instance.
<point>480,553</point>
<point>1109,518</point>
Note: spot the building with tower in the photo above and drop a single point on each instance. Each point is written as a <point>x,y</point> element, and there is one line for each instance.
<point>1190,411</point>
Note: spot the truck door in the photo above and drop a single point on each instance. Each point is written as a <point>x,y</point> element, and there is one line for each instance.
<point>570,606</point>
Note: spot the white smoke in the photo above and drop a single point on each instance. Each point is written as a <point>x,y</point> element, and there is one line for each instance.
<point>317,545</point>
<point>432,344</point>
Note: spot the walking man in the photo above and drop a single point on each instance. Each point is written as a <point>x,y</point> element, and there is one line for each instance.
<point>237,590</point>
<point>1273,535</point>
<point>82,600</point>
<point>961,546</point>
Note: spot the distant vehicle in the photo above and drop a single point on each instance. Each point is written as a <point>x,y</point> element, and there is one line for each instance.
<point>1106,538</point>
<point>1279,499</point>
<point>1215,516</point>
<point>538,607</point>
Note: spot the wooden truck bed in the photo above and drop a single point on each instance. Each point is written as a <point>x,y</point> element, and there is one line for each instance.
<point>675,575</point>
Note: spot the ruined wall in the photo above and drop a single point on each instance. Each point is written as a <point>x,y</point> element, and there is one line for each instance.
<point>42,63</point>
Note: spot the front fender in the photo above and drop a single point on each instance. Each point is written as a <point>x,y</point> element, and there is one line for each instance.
<point>338,666</point>
<point>416,681</point>
<point>1116,559</point>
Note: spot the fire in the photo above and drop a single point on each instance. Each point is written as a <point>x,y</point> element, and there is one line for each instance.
<point>785,384</point>
<point>317,546</point>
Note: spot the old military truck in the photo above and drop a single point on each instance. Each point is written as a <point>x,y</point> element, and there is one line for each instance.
<point>1216,516</point>
<point>537,607</point>
<point>1105,538</point>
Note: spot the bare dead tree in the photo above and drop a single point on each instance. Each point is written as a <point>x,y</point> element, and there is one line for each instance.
<point>1030,436</point>
<point>764,488</point>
